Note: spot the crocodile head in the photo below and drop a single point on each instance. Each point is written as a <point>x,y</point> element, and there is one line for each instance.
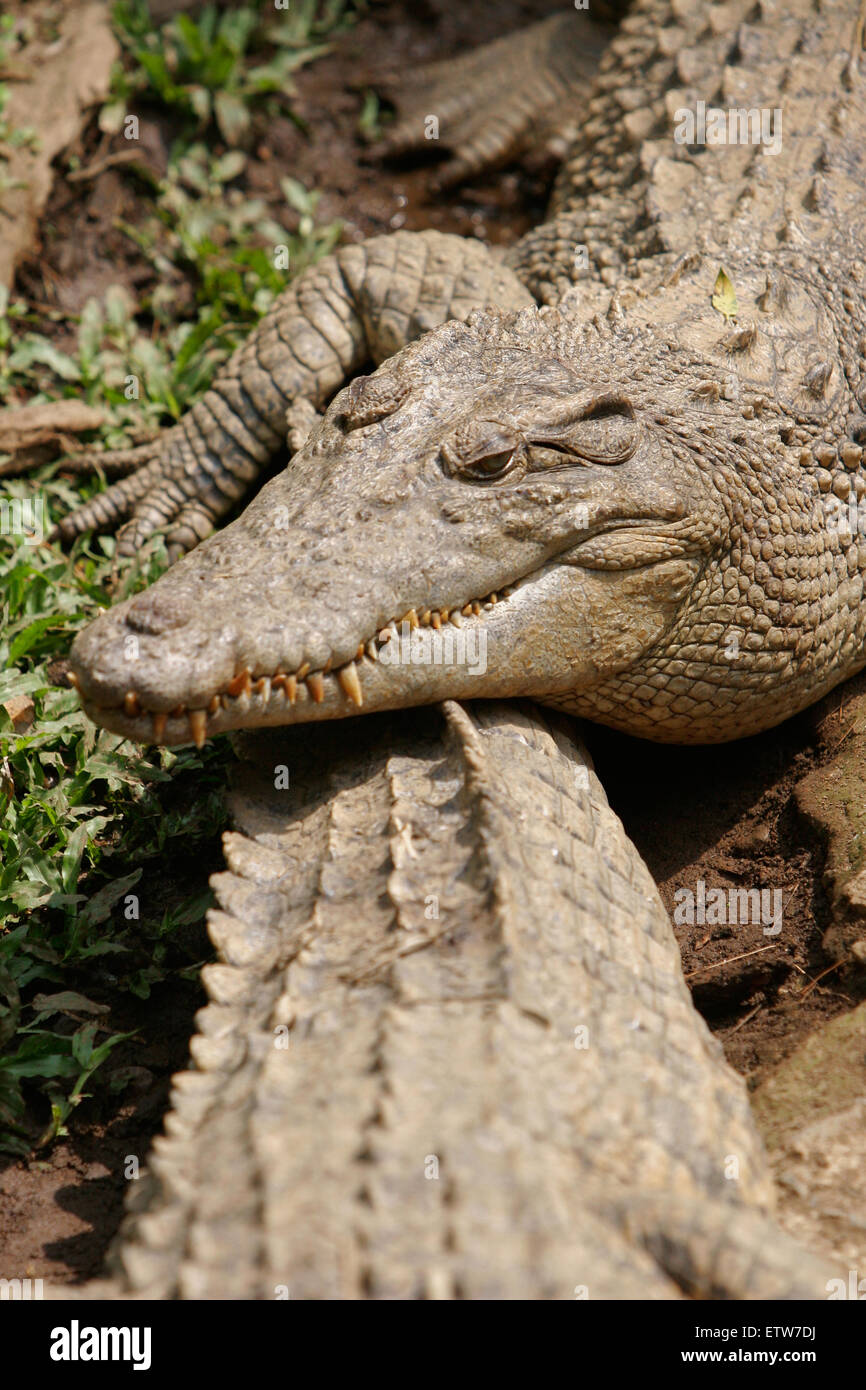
<point>521,505</point>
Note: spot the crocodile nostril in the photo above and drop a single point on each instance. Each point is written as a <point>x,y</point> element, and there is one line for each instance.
<point>156,613</point>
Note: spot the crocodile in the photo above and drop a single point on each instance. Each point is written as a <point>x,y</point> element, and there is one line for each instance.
<point>662,489</point>
<point>449,1051</point>
<point>628,455</point>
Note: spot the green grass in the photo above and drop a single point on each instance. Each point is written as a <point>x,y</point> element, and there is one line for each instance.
<point>90,825</point>
<point>82,816</point>
<point>204,71</point>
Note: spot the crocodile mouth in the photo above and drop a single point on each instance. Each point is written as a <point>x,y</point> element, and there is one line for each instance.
<point>249,700</point>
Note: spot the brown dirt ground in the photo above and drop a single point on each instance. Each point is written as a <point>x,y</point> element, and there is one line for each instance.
<point>725,815</point>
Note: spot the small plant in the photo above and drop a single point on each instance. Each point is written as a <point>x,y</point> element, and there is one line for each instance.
<point>202,68</point>
<point>82,819</point>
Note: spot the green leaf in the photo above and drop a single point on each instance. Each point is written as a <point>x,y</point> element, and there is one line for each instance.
<point>192,39</point>
<point>155,66</point>
<point>297,196</point>
<point>100,905</point>
<point>201,103</point>
<point>201,334</point>
<point>34,349</point>
<point>54,1065</point>
<point>82,1044</point>
<point>71,862</point>
<point>230,166</point>
<point>233,117</point>
<point>30,636</point>
<point>97,1055</point>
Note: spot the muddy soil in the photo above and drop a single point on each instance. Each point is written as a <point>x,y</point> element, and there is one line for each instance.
<point>724,816</point>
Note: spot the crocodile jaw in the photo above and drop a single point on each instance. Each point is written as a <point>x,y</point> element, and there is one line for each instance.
<point>501,651</point>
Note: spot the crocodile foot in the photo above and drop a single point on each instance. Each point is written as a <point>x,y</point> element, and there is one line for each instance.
<point>490,105</point>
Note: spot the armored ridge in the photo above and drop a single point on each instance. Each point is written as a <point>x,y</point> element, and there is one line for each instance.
<point>449,1051</point>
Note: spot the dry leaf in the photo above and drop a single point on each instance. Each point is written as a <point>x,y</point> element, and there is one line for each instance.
<point>725,296</point>
<point>66,75</point>
<point>22,426</point>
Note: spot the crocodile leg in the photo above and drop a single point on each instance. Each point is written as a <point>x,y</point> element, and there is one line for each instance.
<point>449,1050</point>
<point>359,305</point>
<point>492,104</point>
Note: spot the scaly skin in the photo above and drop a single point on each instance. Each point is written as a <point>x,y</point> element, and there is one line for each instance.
<point>470,1100</point>
<point>653,482</point>
<point>496,102</point>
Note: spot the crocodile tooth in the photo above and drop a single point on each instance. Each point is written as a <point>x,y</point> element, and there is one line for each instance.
<point>494,598</point>
<point>292,688</point>
<point>411,618</point>
<point>214,705</point>
<point>372,650</point>
<point>303,671</point>
<point>476,608</point>
<point>131,707</point>
<point>425,618</point>
<point>327,666</point>
<point>456,618</point>
<point>436,621</point>
<point>241,684</point>
<point>348,678</point>
<point>360,652</point>
<point>263,688</point>
<point>316,686</point>
<point>158,721</point>
<point>198,726</point>
<point>467,611</point>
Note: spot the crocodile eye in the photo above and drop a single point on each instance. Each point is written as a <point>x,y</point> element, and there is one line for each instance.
<point>482,451</point>
<point>493,466</point>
